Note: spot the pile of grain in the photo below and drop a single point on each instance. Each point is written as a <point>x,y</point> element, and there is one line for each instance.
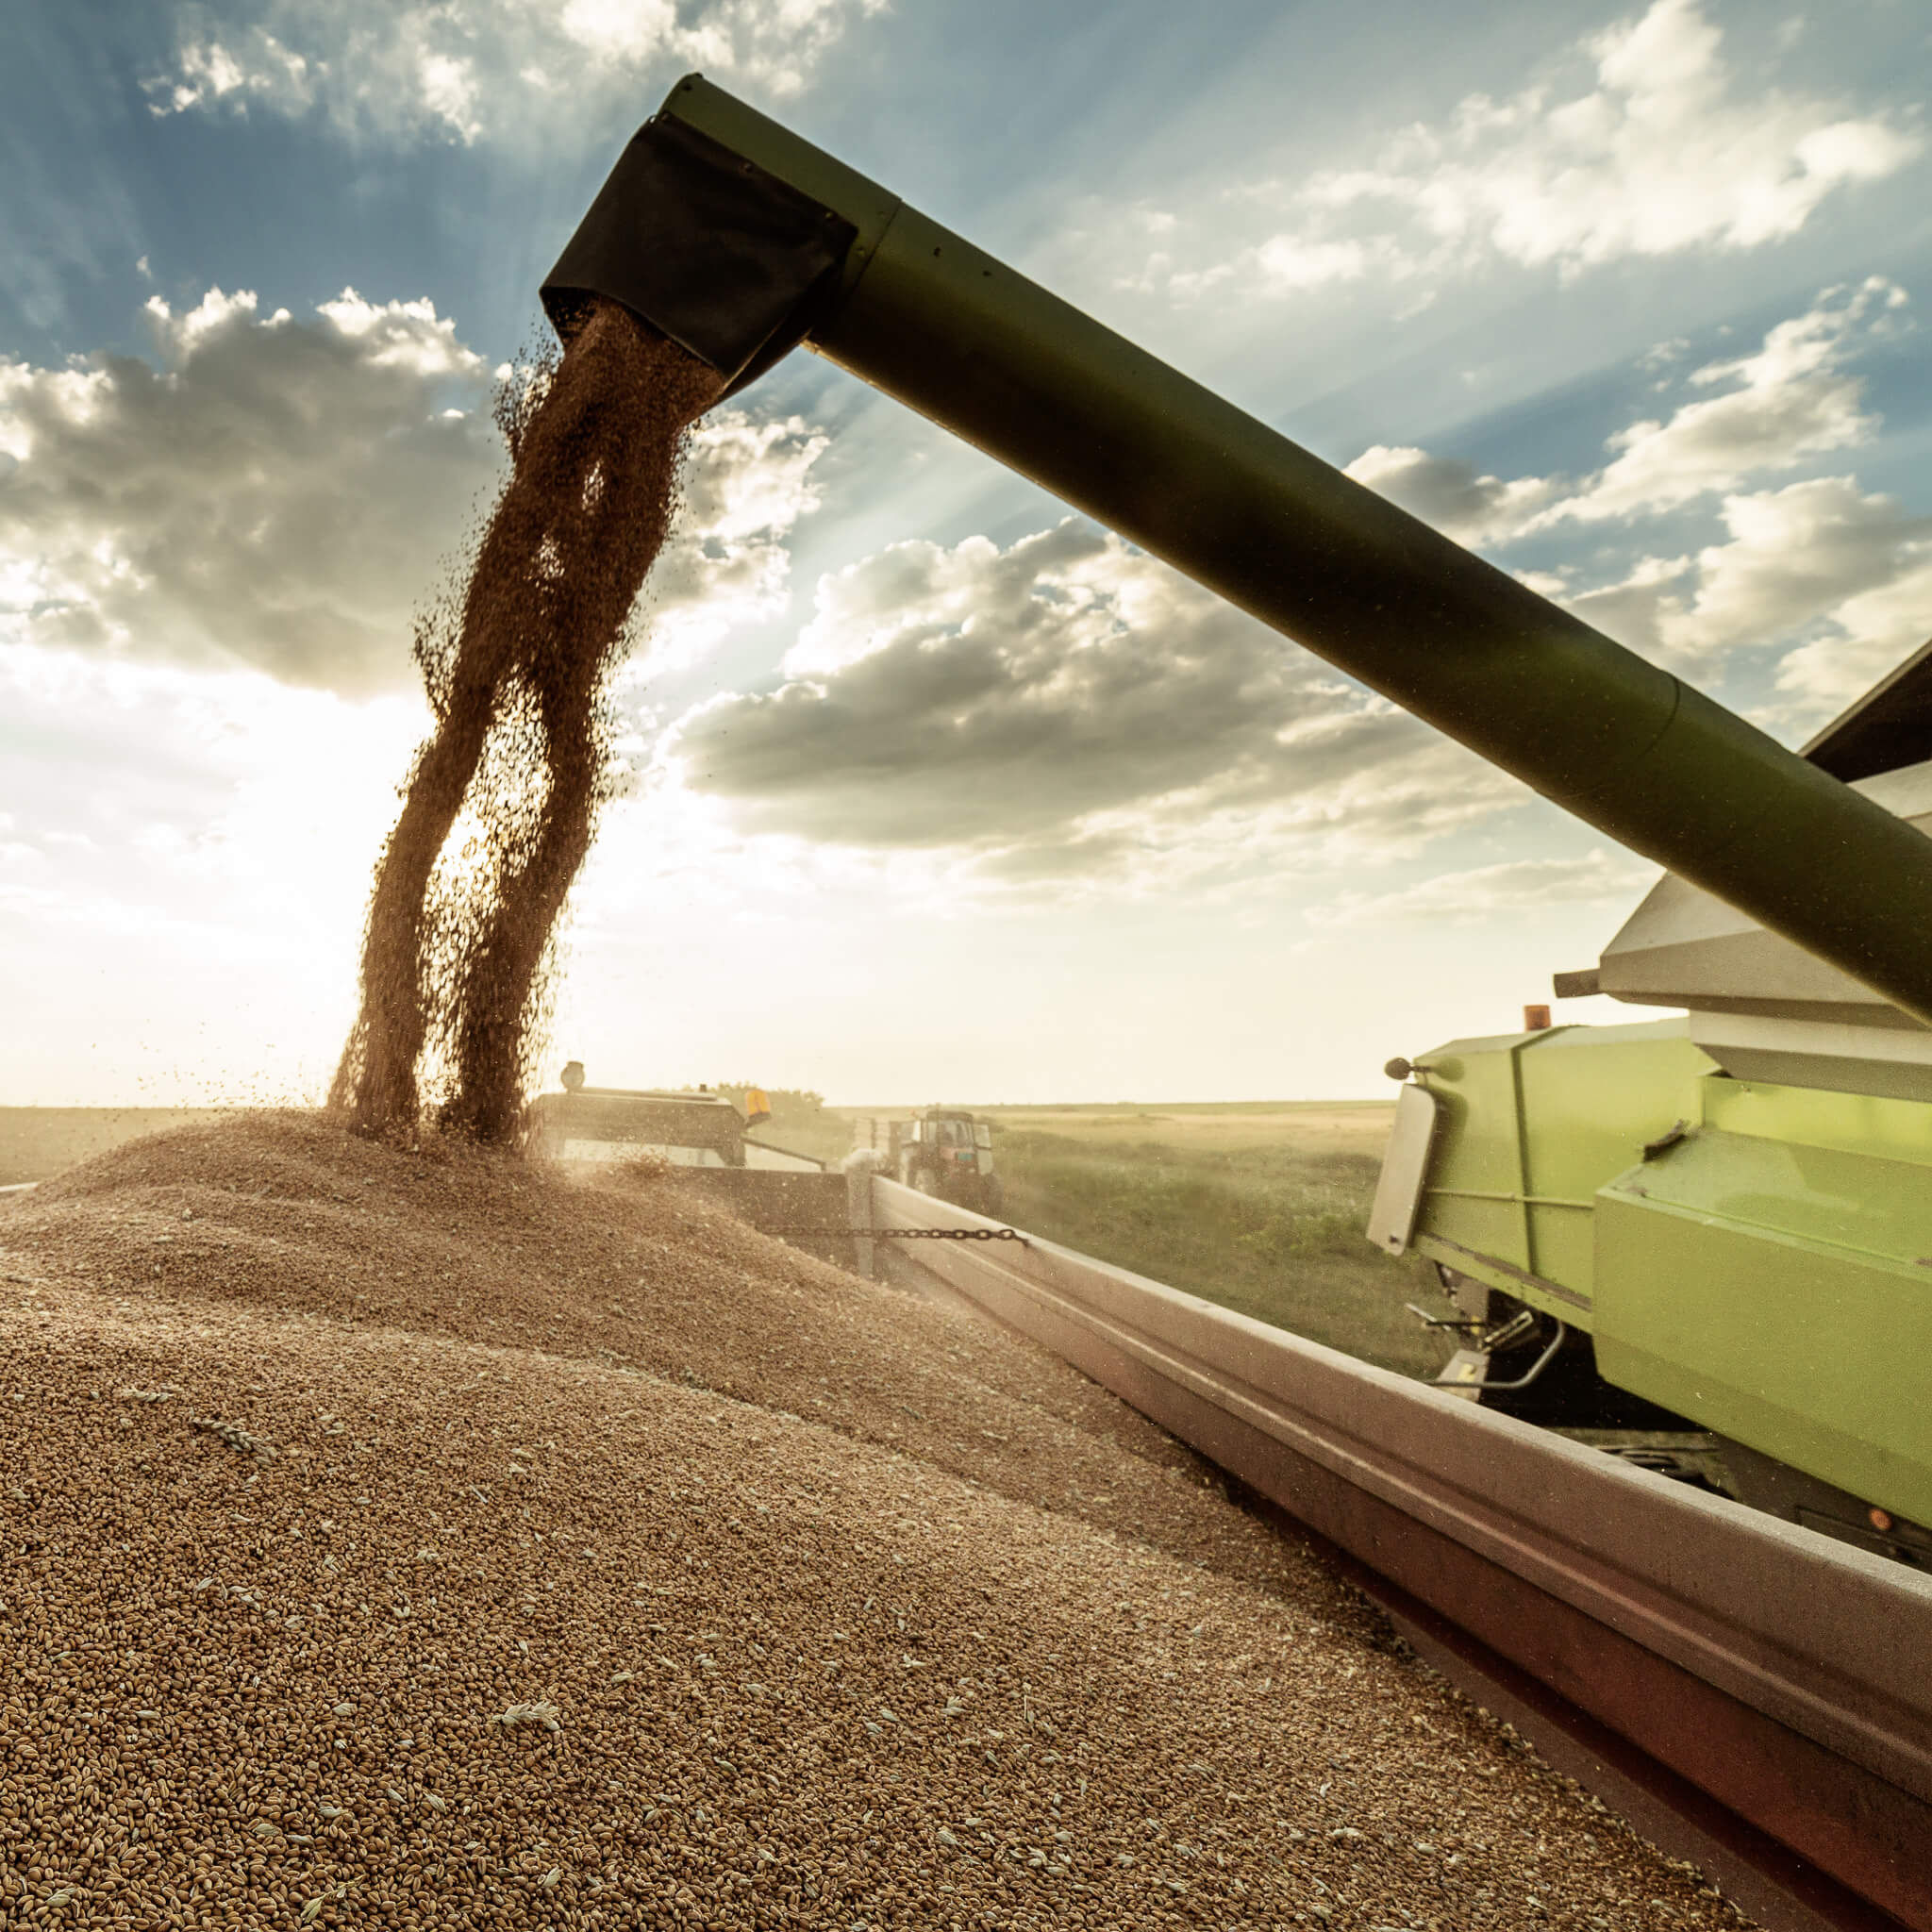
<point>373,1556</point>
<point>517,669</point>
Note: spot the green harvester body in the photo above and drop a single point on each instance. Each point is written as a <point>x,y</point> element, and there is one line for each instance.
<point>1764,1270</point>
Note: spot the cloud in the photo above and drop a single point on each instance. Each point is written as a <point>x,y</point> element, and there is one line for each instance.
<point>1663,151</point>
<point>279,492</point>
<point>1867,634</point>
<point>410,70</point>
<point>1479,897</point>
<point>1793,399</point>
<point>1790,400</point>
<point>1065,714</point>
<point>727,564</point>
<point>1836,575</point>
<point>1068,707</point>
<point>1451,497</point>
<point>204,508</point>
<point>1821,550</point>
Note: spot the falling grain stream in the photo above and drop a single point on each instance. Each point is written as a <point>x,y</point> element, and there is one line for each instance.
<point>455,953</point>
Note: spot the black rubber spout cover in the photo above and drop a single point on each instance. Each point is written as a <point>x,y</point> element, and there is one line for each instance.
<point>727,260</point>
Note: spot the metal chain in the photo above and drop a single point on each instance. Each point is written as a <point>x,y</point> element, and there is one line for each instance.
<point>912,1233</point>
<point>941,1234</point>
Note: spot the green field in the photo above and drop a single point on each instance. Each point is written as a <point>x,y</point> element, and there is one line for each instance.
<point>1256,1205</point>
<point>1259,1207</point>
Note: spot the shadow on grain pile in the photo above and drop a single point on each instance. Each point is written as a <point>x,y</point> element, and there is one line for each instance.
<point>371,1559</point>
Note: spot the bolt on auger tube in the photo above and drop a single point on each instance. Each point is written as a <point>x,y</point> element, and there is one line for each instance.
<point>738,239</point>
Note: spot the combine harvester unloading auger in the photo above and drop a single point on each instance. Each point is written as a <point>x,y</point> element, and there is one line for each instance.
<point>738,241</point>
<point>1739,1210</point>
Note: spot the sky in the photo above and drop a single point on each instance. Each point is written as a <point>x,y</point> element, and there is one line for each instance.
<point>936,790</point>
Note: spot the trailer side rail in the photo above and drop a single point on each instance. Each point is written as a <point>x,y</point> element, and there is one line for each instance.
<point>1780,1673</point>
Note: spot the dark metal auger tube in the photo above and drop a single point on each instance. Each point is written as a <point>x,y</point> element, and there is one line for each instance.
<point>738,239</point>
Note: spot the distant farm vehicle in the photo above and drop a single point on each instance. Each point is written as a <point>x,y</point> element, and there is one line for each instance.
<point>942,1150</point>
<point>702,1128</point>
